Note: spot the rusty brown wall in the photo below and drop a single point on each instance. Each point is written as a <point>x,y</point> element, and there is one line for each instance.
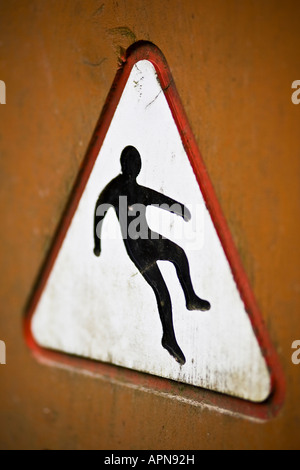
<point>233,63</point>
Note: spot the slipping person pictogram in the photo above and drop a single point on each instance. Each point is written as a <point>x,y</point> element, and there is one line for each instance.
<point>146,247</point>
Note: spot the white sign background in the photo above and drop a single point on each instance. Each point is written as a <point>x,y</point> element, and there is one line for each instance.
<point>103,309</point>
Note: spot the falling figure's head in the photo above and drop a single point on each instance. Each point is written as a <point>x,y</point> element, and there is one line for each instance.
<point>131,162</point>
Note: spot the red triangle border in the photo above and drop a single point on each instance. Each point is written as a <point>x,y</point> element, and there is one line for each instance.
<point>143,50</point>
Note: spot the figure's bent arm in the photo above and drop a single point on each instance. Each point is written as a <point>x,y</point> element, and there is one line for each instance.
<point>104,203</point>
<point>155,198</point>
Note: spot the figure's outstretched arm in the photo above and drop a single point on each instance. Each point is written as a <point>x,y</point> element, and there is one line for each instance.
<point>155,198</point>
<point>103,204</point>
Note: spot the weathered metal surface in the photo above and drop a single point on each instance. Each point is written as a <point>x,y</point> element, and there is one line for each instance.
<point>234,65</point>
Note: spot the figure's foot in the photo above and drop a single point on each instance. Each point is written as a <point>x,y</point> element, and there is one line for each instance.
<point>172,347</point>
<point>97,251</point>
<point>198,304</point>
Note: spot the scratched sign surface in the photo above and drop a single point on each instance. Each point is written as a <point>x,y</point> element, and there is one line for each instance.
<point>103,308</point>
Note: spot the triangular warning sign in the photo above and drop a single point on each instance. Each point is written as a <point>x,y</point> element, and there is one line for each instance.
<point>188,286</point>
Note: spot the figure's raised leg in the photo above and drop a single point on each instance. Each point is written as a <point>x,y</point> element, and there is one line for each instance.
<point>154,278</point>
<point>178,257</point>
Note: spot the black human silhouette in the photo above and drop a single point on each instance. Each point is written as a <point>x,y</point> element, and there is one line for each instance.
<point>146,247</point>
